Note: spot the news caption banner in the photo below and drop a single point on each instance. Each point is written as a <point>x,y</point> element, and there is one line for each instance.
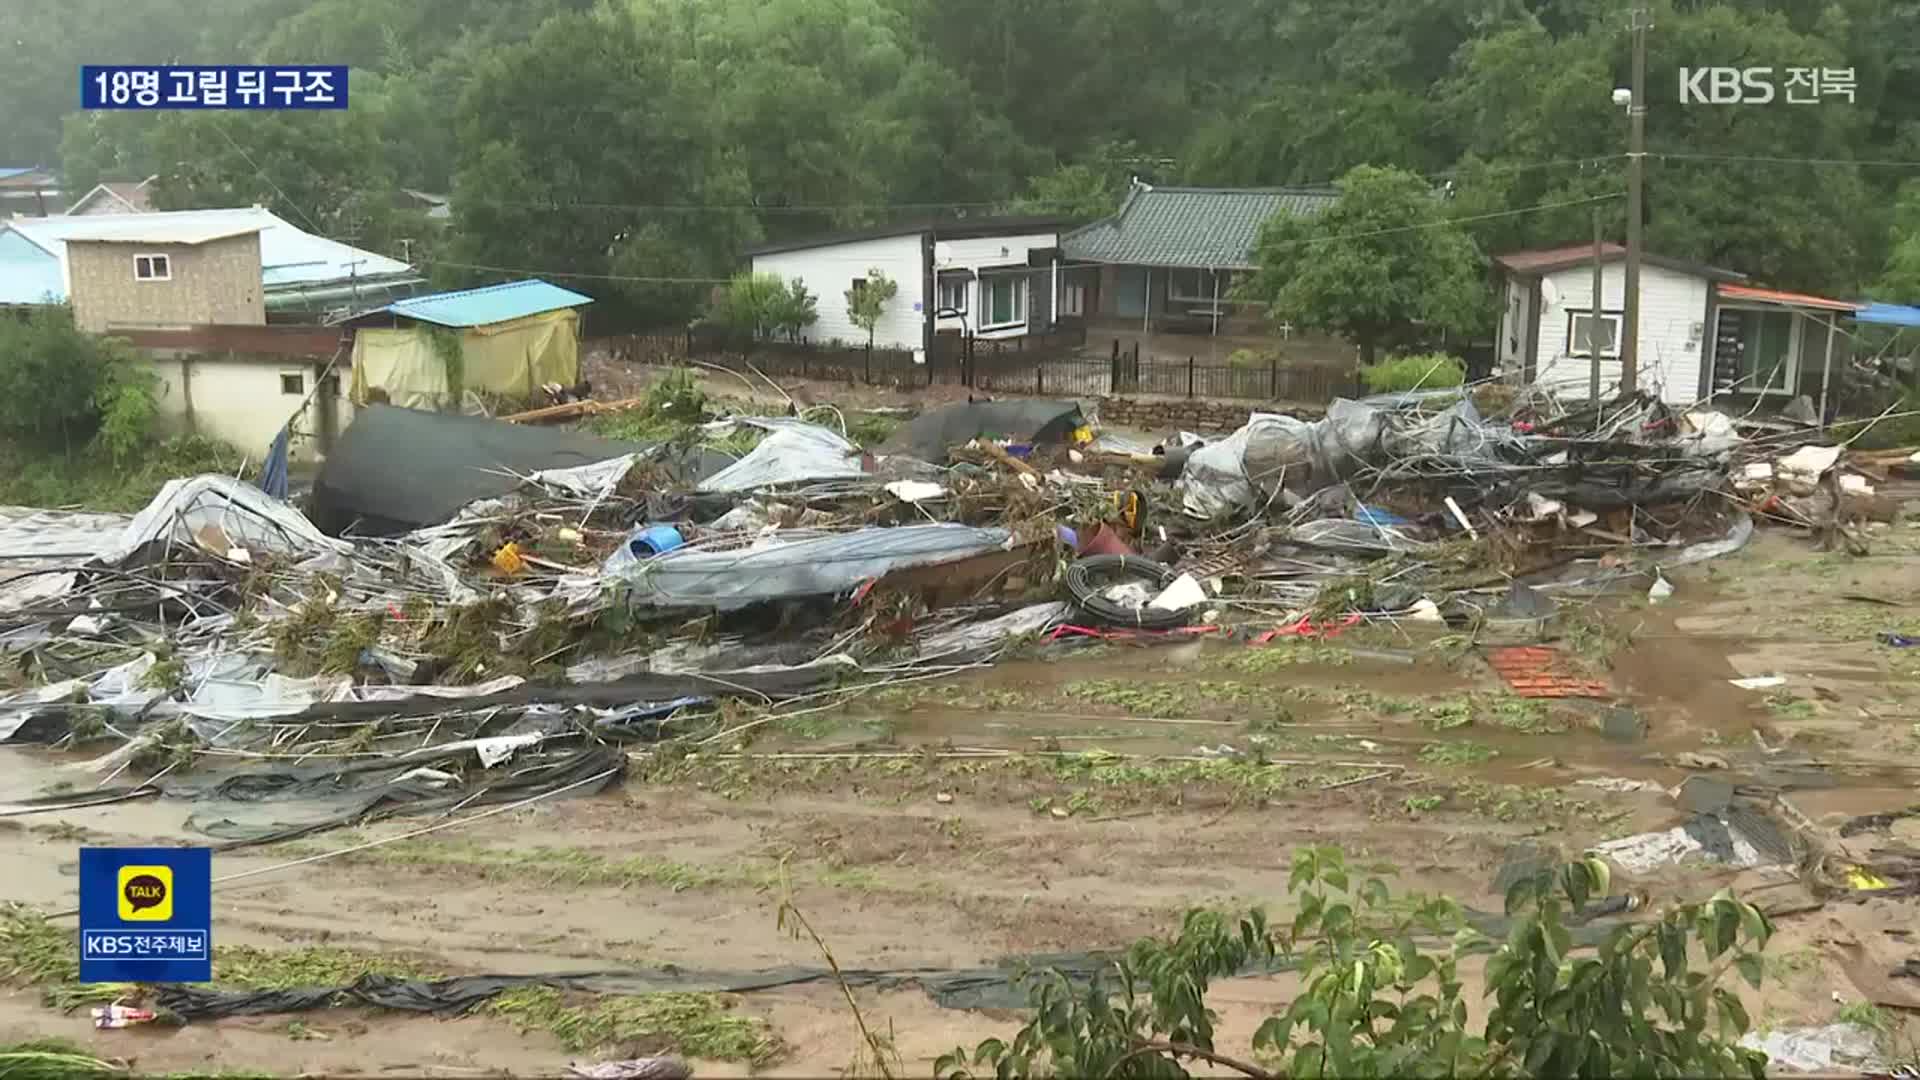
<point>213,86</point>
<point>146,915</point>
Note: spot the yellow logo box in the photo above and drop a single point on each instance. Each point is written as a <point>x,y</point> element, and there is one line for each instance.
<point>146,893</point>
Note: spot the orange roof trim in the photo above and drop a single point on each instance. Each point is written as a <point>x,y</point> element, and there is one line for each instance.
<point>1775,296</point>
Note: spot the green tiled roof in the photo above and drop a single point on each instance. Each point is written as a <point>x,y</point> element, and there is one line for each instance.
<point>1209,228</point>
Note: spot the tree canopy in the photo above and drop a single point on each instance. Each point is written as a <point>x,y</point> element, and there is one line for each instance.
<point>631,148</point>
<point>1382,265</point>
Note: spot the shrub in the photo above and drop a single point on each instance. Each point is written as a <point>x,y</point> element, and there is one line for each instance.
<point>1252,358</point>
<point>60,386</point>
<point>1423,371</point>
<point>763,305</point>
<point>1382,994</point>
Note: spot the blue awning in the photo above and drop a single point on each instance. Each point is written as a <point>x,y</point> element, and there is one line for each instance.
<point>1889,315</point>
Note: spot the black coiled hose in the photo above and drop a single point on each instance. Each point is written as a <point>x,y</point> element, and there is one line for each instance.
<point>1089,578</point>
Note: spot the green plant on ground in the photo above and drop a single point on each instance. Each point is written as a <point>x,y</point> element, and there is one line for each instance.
<point>1592,638</point>
<point>52,1059</point>
<point>1457,753</point>
<point>1450,714</point>
<point>247,967</point>
<point>1865,1014</point>
<point>1513,802</point>
<point>1424,371</point>
<point>36,953</point>
<point>1375,1003</point>
<point>90,477</point>
<point>1522,714</point>
<point>697,1025</point>
<point>1285,653</point>
<point>1789,706</point>
<point>871,429</point>
<point>1143,698</point>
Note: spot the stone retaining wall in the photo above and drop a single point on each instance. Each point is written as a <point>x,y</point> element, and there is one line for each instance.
<point>1166,414</point>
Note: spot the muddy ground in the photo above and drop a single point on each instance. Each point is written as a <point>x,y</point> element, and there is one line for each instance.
<point>1404,749</point>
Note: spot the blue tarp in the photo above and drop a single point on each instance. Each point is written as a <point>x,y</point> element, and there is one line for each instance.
<point>273,474</point>
<point>1889,315</point>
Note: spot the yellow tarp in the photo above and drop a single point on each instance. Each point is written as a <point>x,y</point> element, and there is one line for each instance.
<point>511,359</point>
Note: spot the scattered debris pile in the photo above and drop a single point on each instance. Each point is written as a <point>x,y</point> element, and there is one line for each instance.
<point>470,591</point>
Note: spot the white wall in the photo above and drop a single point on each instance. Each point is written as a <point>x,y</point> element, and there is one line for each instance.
<point>986,253</point>
<point>240,401</point>
<point>1673,307</point>
<point>828,272</point>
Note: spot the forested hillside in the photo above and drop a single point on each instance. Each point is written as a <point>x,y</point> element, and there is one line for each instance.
<point>638,144</point>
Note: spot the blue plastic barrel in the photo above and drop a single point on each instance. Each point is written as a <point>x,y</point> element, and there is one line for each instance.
<point>654,540</point>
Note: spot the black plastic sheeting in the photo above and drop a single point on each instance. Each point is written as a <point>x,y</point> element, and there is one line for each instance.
<point>361,792</point>
<point>1004,986</point>
<point>930,434</point>
<point>979,988</point>
<point>397,469</point>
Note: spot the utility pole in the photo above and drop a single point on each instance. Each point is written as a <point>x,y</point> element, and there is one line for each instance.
<point>1593,325</point>
<point>1636,161</point>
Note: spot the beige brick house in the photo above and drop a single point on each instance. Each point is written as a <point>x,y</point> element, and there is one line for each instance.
<point>165,276</point>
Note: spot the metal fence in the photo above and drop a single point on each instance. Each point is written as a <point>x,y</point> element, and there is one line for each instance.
<point>1050,365</point>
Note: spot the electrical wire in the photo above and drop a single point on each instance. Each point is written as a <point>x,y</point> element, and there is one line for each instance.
<point>1311,242</point>
<point>1742,159</point>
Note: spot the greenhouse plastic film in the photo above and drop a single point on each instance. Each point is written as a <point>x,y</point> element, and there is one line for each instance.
<point>798,564</point>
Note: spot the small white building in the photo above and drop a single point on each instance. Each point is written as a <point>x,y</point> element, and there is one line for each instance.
<point>1703,332</point>
<point>1547,303</point>
<point>992,278</point>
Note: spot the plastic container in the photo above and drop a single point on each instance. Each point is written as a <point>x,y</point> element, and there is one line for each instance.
<point>653,540</point>
<point>643,543</point>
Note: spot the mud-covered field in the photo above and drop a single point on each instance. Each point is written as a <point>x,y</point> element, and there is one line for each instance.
<point>1046,806</point>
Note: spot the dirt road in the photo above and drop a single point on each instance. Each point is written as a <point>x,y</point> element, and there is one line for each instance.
<point>1146,781</point>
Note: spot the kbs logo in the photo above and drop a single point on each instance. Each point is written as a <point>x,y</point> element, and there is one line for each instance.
<point>146,893</point>
<point>1758,85</point>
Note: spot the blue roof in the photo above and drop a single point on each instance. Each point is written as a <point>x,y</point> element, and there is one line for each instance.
<point>492,304</point>
<point>289,258</point>
<point>1889,315</point>
<point>6,172</point>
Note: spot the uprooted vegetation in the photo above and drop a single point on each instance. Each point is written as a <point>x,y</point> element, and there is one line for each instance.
<point>697,1025</point>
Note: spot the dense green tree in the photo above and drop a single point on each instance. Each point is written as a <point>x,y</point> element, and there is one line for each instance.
<point>1380,265</point>
<point>726,119</point>
<point>1899,280</point>
<point>583,155</point>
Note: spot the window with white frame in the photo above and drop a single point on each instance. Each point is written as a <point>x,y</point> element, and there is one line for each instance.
<point>953,294</point>
<point>1003,300</point>
<point>1197,286</point>
<point>152,268</point>
<point>1073,298</point>
<point>1580,325</point>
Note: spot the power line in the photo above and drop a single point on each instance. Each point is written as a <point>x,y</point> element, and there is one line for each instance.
<point>1755,160</point>
<point>1491,169</point>
<point>573,274</point>
<point>667,280</point>
<point>1462,220</point>
<point>262,173</point>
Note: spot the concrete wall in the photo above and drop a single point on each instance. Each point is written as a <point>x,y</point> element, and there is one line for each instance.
<point>241,399</point>
<point>214,282</point>
<point>1161,415</point>
<point>829,270</point>
<point>1673,330</point>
